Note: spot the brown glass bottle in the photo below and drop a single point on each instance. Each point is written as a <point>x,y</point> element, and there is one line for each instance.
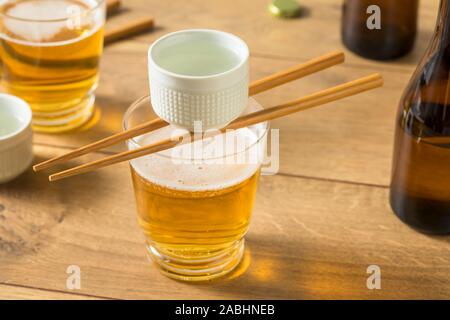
<point>398,28</point>
<point>420,187</point>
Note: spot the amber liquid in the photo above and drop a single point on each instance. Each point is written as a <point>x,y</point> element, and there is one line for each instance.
<point>396,36</point>
<point>56,72</point>
<point>195,226</point>
<point>420,187</point>
<point>420,191</point>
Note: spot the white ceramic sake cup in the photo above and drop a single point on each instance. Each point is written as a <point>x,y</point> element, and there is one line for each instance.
<point>16,142</point>
<point>215,99</point>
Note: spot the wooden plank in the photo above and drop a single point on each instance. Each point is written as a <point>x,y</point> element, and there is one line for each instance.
<point>318,30</point>
<point>11,292</point>
<point>339,141</point>
<point>349,141</point>
<point>299,246</point>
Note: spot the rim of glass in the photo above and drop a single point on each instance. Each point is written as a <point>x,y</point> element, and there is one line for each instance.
<point>84,12</point>
<point>140,100</point>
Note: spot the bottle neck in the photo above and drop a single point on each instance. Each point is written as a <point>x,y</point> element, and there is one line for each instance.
<point>443,22</point>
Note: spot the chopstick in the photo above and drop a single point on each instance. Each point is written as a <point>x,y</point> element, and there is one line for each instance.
<point>112,6</point>
<point>296,72</point>
<point>129,29</point>
<point>276,79</point>
<point>313,100</point>
<point>322,97</point>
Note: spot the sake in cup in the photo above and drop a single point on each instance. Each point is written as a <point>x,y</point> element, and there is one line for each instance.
<point>16,137</point>
<point>199,78</point>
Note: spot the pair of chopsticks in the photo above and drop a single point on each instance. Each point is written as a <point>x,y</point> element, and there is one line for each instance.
<point>132,28</point>
<point>277,79</point>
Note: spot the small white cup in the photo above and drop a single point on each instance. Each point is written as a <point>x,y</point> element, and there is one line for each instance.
<point>199,75</point>
<point>16,137</point>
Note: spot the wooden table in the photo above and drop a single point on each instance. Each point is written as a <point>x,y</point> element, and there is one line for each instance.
<point>317,225</point>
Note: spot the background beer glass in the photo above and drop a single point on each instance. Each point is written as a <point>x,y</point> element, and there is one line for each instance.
<point>50,52</point>
<point>194,205</point>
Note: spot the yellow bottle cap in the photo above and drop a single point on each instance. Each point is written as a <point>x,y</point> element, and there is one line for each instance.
<point>284,8</point>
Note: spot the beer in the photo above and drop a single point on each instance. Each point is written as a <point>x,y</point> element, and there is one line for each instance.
<point>420,188</point>
<point>50,51</point>
<point>195,209</point>
<point>392,38</point>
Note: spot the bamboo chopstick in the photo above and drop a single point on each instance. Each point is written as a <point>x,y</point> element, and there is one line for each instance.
<point>313,100</point>
<point>118,137</point>
<point>296,72</point>
<point>129,29</point>
<point>277,79</point>
<point>112,6</point>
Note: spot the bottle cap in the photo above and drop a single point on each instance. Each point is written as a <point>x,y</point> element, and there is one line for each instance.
<point>284,8</point>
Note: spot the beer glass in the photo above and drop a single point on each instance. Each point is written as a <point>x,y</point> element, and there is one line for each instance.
<point>195,201</point>
<point>50,52</point>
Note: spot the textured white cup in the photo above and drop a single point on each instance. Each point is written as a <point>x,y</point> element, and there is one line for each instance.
<point>16,148</point>
<point>213,99</point>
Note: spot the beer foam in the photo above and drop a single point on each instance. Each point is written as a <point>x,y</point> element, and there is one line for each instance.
<point>202,172</point>
<point>50,11</point>
<point>44,9</point>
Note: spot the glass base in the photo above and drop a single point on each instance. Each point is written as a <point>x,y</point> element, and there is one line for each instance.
<point>69,117</point>
<point>192,270</point>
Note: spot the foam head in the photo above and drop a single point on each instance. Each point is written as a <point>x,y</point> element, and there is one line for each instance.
<point>213,163</point>
<point>40,21</point>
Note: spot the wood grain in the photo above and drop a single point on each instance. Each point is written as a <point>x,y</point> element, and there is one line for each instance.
<point>355,134</point>
<point>12,292</point>
<point>266,115</point>
<point>128,30</point>
<point>316,227</point>
<point>264,84</point>
<point>315,33</point>
<point>299,246</point>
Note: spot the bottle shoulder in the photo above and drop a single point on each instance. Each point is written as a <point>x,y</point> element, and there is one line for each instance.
<point>425,105</point>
